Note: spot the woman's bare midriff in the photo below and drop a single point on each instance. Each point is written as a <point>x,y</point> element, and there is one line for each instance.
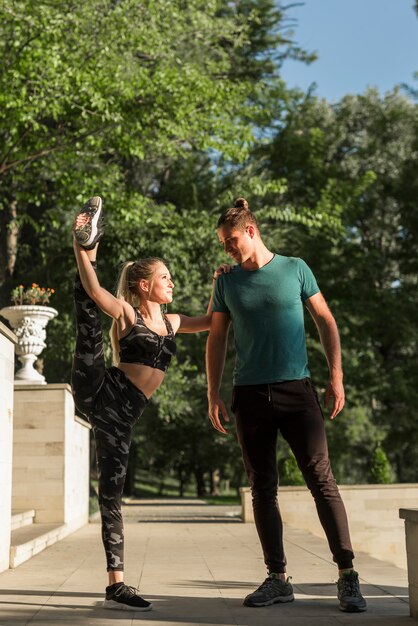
<point>146,378</point>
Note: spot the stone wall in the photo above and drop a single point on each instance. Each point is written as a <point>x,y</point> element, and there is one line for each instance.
<point>50,456</point>
<point>7,350</point>
<point>411,537</point>
<point>373,515</point>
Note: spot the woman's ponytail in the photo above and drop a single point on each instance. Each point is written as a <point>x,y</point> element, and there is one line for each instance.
<point>126,289</point>
<point>122,292</point>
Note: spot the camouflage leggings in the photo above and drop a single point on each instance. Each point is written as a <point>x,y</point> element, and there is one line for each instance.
<point>112,404</point>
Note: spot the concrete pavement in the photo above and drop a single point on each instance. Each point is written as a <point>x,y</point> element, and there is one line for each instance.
<point>195,563</point>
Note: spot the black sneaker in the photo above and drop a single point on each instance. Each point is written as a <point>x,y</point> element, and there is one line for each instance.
<point>120,596</point>
<point>272,590</point>
<point>349,593</point>
<point>89,233</point>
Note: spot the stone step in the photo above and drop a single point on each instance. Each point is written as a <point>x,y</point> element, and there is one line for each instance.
<point>32,539</point>
<point>22,517</point>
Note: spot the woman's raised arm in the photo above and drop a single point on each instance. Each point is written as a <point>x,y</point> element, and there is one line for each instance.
<point>106,301</point>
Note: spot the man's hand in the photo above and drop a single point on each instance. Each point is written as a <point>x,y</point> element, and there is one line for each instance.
<point>216,404</point>
<point>334,393</point>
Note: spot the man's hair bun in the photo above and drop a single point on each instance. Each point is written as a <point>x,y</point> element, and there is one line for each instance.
<point>241,203</point>
<point>238,216</point>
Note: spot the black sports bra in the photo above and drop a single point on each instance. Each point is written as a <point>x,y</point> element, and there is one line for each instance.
<point>144,346</point>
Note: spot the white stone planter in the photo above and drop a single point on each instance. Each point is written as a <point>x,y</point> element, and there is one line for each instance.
<point>28,322</point>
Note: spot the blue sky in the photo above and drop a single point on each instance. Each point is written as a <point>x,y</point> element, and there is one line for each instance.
<point>359,43</point>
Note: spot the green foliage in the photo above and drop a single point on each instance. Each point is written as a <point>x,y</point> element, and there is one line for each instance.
<point>289,472</point>
<point>170,111</point>
<point>354,161</point>
<point>133,101</point>
<point>380,468</point>
<point>351,439</point>
<point>94,96</point>
<point>127,77</point>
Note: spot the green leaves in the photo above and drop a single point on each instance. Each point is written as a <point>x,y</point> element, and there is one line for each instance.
<point>350,186</point>
<point>122,74</point>
<point>172,110</point>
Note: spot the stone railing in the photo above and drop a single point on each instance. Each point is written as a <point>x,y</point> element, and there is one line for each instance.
<point>50,456</point>
<point>411,536</point>
<point>44,462</point>
<point>7,350</point>
<point>373,514</point>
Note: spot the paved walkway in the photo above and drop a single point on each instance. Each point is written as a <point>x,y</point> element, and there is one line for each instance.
<point>195,563</point>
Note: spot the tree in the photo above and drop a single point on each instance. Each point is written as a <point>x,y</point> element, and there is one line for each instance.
<point>84,87</point>
<point>353,162</point>
<point>289,472</point>
<point>380,469</point>
<point>155,107</point>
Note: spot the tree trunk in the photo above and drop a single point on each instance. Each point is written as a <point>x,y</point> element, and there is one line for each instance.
<point>9,241</point>
<point>215,482</point>
<point>12,238</point>
<point>200,482</point>
<point>182,482</point>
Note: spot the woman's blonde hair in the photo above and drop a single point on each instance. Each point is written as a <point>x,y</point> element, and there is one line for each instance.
<point>130,274</point>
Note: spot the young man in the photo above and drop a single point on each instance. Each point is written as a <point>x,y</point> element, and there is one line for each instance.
<point>263,297</point>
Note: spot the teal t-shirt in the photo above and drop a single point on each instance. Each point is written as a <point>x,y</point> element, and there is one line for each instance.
<point>266,309</point>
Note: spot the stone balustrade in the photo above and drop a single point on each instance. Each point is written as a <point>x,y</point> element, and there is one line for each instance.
<point>50,456</point>
<point>7,350</point>
<point>411,537</point>
<point>44,461</point>
<point>373,514</point>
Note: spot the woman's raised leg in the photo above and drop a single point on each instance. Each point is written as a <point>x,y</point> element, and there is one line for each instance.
<point>88,368</point>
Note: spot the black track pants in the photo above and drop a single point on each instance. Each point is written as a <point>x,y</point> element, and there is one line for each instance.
<point>112,404</point>
<point>292,408</point>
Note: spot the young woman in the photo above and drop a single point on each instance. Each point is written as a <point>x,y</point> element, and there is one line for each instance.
<point>112,399</point>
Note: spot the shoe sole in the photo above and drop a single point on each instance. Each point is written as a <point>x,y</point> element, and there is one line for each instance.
<point>118,606</point>
<point>353,609</point>
<point>93,223</point>
<point>280,600</point>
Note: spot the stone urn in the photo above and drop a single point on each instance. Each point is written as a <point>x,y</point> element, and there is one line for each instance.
<point>28,322</point>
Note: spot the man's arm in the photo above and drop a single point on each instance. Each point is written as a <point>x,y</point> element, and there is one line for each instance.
<point>215,361</point>
<point>330,340</point>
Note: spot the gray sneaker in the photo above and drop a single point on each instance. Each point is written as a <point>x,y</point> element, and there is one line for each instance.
<point>349,594</point>
<point>272,590</point>
<point>89,233</point>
